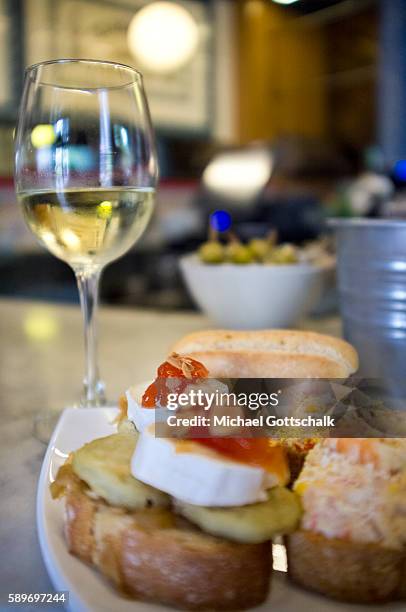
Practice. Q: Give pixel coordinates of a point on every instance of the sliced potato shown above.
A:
(254, 523)
(104, 464)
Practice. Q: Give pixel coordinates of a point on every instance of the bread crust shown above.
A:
(235, 364)
(348, 571)
(149, 556)
(192, 571)
(270, 354)
(79, 519)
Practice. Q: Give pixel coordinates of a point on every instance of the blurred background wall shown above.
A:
(317, 87)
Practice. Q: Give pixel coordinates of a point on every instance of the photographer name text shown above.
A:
(240, 421)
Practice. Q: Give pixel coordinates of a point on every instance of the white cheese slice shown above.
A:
(141, 417)
(144, 417)
(195, 474)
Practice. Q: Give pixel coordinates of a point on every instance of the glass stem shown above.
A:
(88, 284)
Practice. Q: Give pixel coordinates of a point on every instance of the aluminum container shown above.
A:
(371, 270)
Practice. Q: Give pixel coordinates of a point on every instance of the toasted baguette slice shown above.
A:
(348, 571)
(152, 555)
(270, 354)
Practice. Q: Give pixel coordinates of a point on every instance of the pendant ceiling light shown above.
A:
(163, 37)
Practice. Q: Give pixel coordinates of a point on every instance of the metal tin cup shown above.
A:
(371, 258)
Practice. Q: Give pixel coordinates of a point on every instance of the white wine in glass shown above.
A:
(88, 227)
(85, 173)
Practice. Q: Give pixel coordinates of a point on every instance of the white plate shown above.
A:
(89, 592)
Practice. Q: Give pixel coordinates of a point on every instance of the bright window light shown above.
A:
(163, 36)
(285, 1)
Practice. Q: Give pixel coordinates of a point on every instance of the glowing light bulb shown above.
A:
(285, 1)
(238, 175)
(163, 36)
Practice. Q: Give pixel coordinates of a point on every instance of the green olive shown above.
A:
(283, 254)
(211, 252)
(239, 253)
(259, 248)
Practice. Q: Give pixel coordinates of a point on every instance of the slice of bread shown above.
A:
(270, 354)
(153, 555)
(348, 571)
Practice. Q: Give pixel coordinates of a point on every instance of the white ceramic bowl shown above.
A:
(253, 296)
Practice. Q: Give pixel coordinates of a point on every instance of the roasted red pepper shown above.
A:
(176, 366)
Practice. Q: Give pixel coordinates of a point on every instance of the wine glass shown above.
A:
(85, 173)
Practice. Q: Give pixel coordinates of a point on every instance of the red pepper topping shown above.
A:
(252, 451)
(150, 396)
(176, 366)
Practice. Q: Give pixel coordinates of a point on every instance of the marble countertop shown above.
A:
(41, 368)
